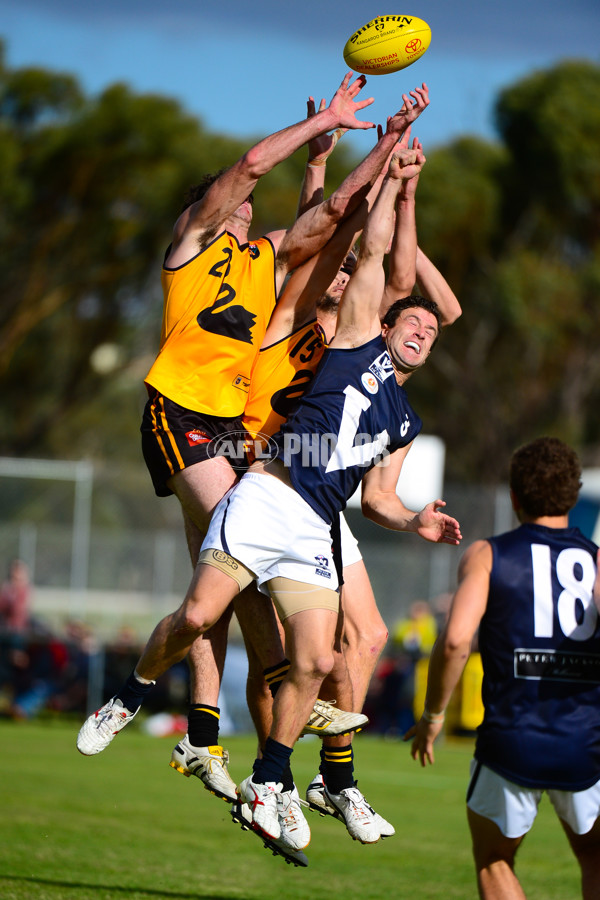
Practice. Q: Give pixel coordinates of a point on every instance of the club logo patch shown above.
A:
(369, 382)
(322, 567)
(382, 367)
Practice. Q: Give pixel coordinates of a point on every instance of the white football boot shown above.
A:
(262, 800)
(326, 720)
(209, 764)
(101, 727)
(351, 808)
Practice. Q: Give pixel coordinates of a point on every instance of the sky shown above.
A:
(246, 68)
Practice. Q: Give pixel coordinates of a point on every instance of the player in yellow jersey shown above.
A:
(294, 344)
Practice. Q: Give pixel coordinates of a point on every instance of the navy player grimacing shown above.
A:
(532, 594)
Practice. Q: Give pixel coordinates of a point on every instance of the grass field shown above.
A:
(124, 826)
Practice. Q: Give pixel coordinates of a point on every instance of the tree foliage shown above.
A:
(514, 227)
(90, 188)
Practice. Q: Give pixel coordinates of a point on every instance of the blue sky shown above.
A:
(247, 68)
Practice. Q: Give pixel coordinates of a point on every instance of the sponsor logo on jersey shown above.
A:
(254, 251)
(556, 665)
(369, 382)
(322, 567)
(382, 367)
(242, 382)
(197, 437)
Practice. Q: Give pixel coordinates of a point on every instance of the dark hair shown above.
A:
(197, 191)
(545, 477)
(415, 300)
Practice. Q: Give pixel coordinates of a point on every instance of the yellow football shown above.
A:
(387, 44)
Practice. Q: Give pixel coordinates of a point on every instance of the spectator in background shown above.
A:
(417, 634)
(15, 599)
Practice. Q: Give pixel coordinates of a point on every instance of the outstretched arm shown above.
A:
(452, 648)
(319, 151)
(313, 229)
(235, 184)
(433, 285)
(409, 264)
(403, 253)
(381, 504)
(358, 319)
(297, 303)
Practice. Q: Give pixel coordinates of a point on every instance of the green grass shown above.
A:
(124, 826)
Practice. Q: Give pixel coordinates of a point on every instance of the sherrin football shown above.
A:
(387, 44)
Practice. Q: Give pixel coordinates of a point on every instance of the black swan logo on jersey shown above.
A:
(382, 367)
(235, 322)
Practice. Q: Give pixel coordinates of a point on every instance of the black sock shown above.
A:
(133, 692)
(274, 675)
(273, 763)
(337, 768)
(203, 725)
(287, 778)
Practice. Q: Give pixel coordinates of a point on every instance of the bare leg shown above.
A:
(263, 637)
(494, 856)
(364, 632)
(199, 488)
(337, 685)
(309, 640)
(258, 697)
(586, 848)
(260, 625)
(209, 595)
(360, 638)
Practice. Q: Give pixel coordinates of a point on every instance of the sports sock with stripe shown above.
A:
(337, 768)
(203, 725)
(274, 675)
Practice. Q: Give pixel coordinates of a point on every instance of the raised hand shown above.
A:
(409, 186)
(407, 162)
(321, 147)
(345, 105)
(411, 109)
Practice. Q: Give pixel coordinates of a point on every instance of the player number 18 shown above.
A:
(576, 573)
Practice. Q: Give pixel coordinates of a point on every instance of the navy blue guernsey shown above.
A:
(540, 646)
(352, 415)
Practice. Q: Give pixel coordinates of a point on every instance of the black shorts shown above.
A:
(174, 438)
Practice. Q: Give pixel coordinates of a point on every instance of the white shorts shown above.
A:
(268, 527)
(350, 552)
(514, 808)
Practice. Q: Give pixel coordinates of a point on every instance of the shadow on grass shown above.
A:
(115, 889)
